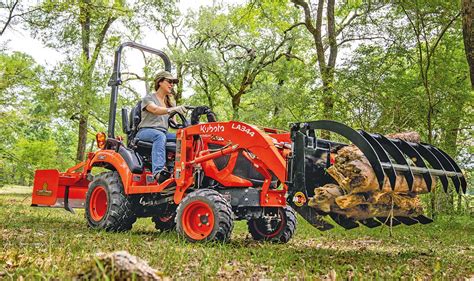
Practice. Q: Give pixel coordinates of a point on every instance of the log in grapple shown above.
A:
(226, 171)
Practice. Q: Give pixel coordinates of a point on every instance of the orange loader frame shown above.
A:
(266, 151)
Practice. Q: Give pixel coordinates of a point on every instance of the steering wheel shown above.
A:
(176, 124)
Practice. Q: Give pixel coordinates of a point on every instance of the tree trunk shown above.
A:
(235, 107)
(81, 143)
(179, 91)
(328, 102)
(91, 148)
(85, 22)
(468, 34)
(450, 137)
(328, 71)
(326, 67)
(210, 100)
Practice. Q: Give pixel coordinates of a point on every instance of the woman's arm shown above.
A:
(157, 110)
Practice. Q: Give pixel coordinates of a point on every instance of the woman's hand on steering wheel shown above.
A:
(179, 111)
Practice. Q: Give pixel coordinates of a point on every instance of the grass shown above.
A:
(45, 243)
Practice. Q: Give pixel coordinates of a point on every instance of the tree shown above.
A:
(81, 27)
(18, 73)
(341, 25)
(468, 34)
(427, 38)
(29, 135)
(236, 48)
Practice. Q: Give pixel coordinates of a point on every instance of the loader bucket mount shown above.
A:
(389, 158)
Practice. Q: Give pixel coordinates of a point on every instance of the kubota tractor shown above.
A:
(226, 171)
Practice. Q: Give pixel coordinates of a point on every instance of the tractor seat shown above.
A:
(144, 147)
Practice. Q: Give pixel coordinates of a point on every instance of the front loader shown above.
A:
(226, 171)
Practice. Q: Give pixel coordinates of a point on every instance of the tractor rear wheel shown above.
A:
(107, 207)
(278, 226)
(165, 223)
(204, 215)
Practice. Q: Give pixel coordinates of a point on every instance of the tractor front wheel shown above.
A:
(204, 215)
(277, 225)
(107, 207)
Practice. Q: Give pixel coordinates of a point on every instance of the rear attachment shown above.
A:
(374, 181)
(60, 190)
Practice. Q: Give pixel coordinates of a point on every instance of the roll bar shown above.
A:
(115, 79)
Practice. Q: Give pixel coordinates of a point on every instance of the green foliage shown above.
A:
(29, 134)
(19, 76)
(254, 62)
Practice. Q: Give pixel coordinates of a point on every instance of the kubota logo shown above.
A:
(44, 191)
(211, 129)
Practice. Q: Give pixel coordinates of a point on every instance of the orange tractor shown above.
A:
(224, 171)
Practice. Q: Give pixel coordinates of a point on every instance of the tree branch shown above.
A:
(100, 40)
(433, 48)
(420, 51)
(359, 39)
(10, 16)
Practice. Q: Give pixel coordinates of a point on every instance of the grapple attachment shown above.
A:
(399, 167)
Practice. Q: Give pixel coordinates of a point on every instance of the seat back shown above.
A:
(134, 120)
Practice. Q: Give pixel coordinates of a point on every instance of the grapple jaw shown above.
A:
(392, 161)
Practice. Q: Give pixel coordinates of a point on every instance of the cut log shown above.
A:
(324, 197)
(354, 174)
(360, 206)
(118, 266)
(406, 136)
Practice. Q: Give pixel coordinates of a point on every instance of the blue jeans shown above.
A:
(158, 150)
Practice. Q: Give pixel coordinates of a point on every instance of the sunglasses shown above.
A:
(171, 81)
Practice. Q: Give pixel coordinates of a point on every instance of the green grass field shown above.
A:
(45, 243)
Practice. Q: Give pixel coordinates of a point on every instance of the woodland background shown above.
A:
(383, 66)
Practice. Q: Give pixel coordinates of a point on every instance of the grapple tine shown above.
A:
(313, 217)
(398, 156)
(416, 158)
(370, 223)
(448, 165)
(343, 221)
(462, 179)
(434, 162)
(357, 139)
(386, 221)
(407, 220)
(383, 156)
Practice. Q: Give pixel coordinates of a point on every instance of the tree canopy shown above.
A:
(382, 66)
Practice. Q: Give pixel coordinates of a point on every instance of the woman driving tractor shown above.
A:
(156, 108)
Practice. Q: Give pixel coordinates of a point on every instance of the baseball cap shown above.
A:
(166, 75)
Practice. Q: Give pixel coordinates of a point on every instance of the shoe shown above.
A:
(162, 175)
